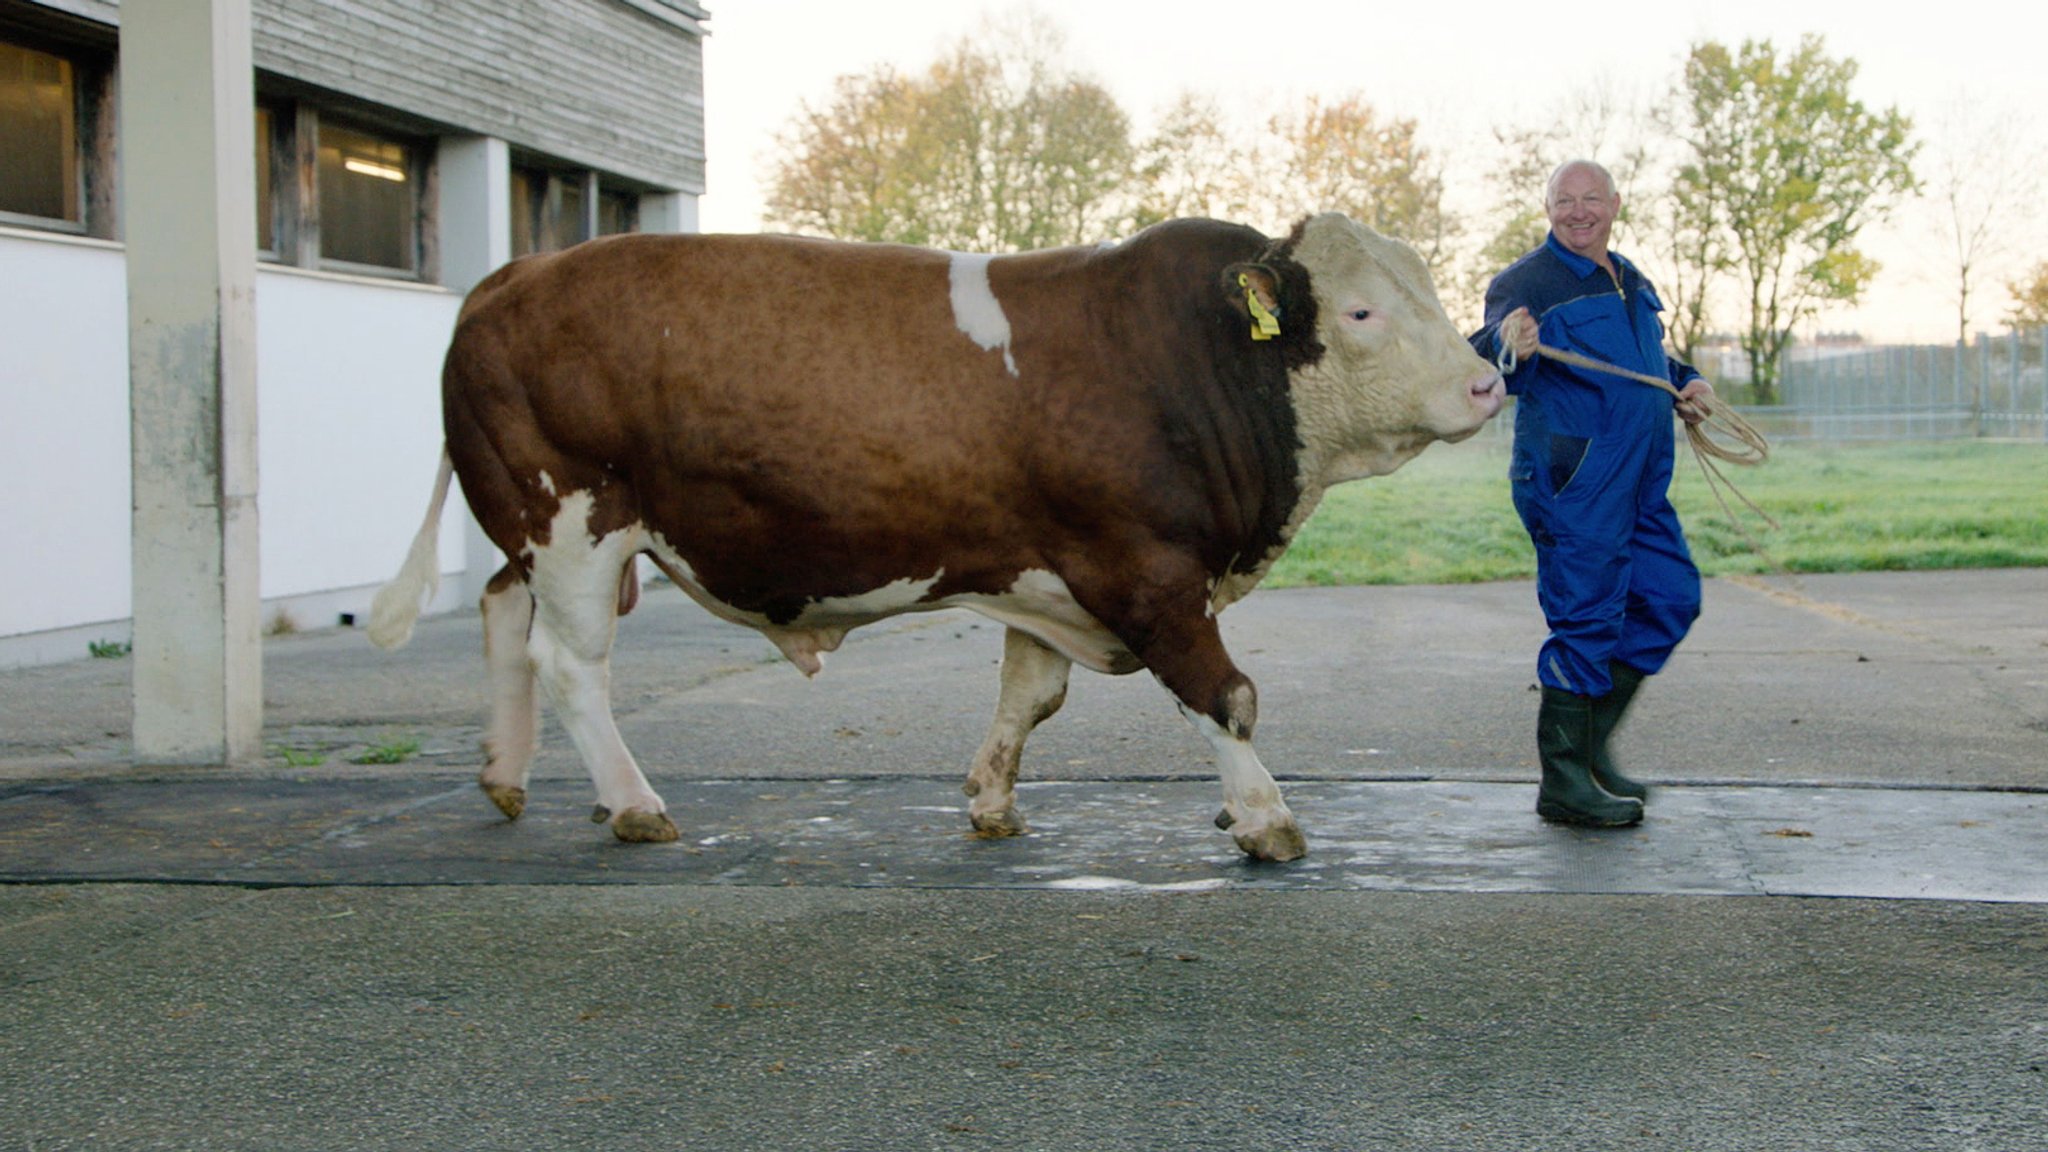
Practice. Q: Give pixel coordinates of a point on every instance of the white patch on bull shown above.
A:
(563, 568)
(976, 310)
(897, 596)
(547, 482)
(575, 583)
(1250, 797)
(1039, 602)
(820, 627)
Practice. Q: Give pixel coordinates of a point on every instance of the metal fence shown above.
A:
(1995, 388)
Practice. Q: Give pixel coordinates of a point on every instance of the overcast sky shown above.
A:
(1458, 69)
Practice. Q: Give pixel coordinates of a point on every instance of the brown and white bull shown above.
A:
(1101, 448)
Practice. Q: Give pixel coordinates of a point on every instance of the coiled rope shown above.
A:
(1750, 449)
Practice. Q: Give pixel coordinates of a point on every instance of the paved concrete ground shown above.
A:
(1832, 932)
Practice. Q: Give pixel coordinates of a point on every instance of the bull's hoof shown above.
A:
(997, 825)
(1277, 843)
(510, 798)
(638, 826)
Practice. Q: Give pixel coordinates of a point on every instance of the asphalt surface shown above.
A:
(1831, 932)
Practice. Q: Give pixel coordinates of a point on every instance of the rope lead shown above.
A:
(1751, 447)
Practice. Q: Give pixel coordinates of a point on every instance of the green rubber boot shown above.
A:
(1607, 712)
(1564, 743)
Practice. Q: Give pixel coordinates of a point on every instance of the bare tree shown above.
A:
(1983, 183)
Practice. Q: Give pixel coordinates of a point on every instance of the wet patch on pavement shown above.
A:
(1414, 836)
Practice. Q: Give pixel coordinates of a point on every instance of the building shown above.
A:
(404, 149)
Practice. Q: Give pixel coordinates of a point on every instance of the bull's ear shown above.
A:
(1253, 290)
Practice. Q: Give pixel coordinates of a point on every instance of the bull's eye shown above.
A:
(1361, 313)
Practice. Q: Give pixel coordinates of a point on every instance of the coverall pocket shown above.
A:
(1566, 454)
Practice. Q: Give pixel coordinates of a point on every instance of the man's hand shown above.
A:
(1518, 333)
(1695, 400)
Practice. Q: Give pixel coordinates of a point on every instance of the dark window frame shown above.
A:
(95, 94)
(541, 222)
(293, 234)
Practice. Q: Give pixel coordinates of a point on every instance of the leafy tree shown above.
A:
(2029, 298)
(1190, 166)
(846, 169)
(1007, 150)
(1792, 168)
(1343, 157)
(1317, 156)
(985, 152)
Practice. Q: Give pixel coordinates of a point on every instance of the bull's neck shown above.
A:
(1329, 460)
(1233, 586)
(1359, 461)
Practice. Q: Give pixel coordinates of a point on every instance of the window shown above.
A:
(43, 178)
(266, 196)
(367, 199)
(617, 212)
(333, 193)
(555, 208)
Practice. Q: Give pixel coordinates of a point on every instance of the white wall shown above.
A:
(63, 433)
(348, 373)
(348, 376)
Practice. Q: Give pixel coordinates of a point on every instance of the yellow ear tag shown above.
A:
(1268, 325)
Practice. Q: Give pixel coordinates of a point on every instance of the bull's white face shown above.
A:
(1396, 374)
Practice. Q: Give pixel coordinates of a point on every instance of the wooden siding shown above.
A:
(598, 82)
(615, 85)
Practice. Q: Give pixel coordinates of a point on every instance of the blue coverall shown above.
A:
(1591, 468)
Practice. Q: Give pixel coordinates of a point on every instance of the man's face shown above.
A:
(1582, 210)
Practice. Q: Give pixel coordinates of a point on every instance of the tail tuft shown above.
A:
(397, 605)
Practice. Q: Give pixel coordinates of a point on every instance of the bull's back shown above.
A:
(737, 393)
(642, 324)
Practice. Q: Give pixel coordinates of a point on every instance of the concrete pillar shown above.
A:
(476, 238)
(189, 209)
(668, 212)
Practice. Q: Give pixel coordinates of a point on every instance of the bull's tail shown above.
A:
(398, 604)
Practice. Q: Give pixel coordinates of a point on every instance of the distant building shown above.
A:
(404, 148)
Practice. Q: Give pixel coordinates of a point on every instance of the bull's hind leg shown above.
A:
(576, 605)
(515, 723)
(1034, 686)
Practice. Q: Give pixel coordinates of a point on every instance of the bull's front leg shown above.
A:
(1253, 813)
(1187, 655)
(1034, 685)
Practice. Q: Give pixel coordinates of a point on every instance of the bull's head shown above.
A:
(1385, 373)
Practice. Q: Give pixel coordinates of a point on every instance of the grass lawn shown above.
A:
(1445, 518)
